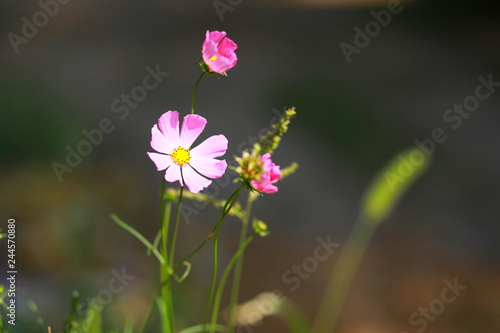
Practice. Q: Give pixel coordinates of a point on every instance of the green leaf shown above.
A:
(129, 326)
(140, 237)
(392, 182)
(379, 200)
(34, 309)
(72, 322)
(186, 272)
(93, 319)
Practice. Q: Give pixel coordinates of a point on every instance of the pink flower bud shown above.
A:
(218, 52)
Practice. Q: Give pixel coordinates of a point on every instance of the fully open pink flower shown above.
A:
(218, 52)
(271, 174)
(180, 162)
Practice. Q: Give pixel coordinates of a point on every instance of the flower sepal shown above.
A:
(206, 69)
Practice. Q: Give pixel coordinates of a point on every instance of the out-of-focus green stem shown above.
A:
(235, 288)
(222, 283)
(225, 210)
(342, 276)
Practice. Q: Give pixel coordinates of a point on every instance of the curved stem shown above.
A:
(222, 283)
(235, 289)
(195, 91)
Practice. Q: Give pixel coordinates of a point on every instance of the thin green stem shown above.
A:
(238, 269)
(342, 276)
(167, 296)
(195, 91)
(222, 283)
(148, 317)
(225, 210)
(140, 237)
(176, 227)
(165, 212)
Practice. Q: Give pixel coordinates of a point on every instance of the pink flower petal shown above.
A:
(192, 126)
(161, 161)
(173, 174)
(168, 124)
(208, 51)
(159, 142)
(209, 167)
(194, 181)
(271, 174)
(220, 65)
(214, 146)
(216, 36)
(264, 188)
(227, 45)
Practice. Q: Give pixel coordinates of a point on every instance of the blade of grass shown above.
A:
(378, 202)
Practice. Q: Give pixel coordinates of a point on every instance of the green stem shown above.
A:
(148, 317)
(235, 289)
(195, 91)
(169, 303)
(176, 227)
(225, 209)
(215, 232)
(165, 212)
(342, 276)
(140, 237)
(222, 283)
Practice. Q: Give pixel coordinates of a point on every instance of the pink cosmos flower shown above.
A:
(218, 52)
(271, 174)
(180, 162)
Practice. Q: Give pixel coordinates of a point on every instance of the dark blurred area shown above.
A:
(352, 118)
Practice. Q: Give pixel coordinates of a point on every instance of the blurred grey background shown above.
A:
(352, 118)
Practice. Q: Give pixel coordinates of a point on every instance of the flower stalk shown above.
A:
(238, 269)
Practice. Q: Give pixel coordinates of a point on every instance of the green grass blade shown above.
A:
(38, 318)
(392, 182)
(378, 202)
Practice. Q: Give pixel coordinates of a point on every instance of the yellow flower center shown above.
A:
(181, 156)
(213, 58)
